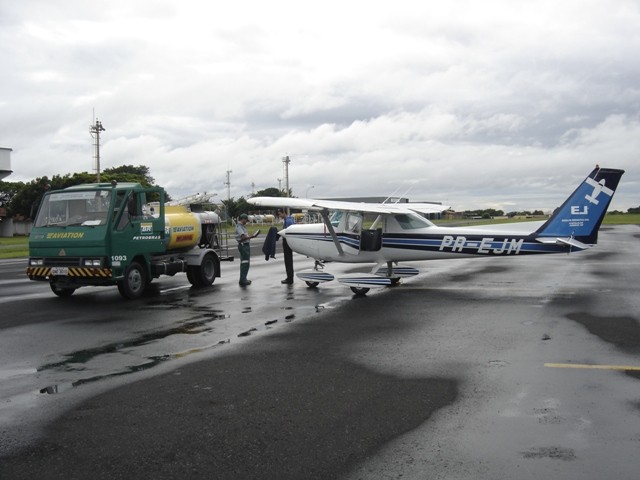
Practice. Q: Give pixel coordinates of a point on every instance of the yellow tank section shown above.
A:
(182, 227)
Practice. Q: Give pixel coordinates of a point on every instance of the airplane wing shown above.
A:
(318, 205)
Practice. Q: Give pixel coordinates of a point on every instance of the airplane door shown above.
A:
(352, 233)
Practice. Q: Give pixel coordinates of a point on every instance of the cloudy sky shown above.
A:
(504, 104)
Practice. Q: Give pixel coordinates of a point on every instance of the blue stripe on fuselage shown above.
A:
(469, 244)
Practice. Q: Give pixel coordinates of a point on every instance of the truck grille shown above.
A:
(63, 262)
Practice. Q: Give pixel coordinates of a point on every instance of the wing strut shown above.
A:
(325, 216)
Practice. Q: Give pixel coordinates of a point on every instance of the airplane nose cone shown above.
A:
(283, 232)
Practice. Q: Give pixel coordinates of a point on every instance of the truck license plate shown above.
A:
(59, 271)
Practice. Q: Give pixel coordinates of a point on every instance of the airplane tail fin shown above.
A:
(579, 218)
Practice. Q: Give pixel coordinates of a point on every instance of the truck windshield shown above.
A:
(75, 208)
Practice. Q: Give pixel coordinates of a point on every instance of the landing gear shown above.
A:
(360, 291)
(315, 276)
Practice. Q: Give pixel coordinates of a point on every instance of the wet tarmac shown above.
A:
(513, 368)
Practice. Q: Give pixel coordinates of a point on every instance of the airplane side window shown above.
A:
(410, 222)
(354, 223)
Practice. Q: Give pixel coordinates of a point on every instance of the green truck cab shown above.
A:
(121, 234)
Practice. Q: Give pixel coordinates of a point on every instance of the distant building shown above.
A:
(5, 162)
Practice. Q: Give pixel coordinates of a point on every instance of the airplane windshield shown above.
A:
(336, 217)
(411, 222)
(76, 208)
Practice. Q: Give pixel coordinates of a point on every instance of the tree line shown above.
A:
(21, 199)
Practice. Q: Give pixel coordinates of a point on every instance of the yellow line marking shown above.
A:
(592, 367)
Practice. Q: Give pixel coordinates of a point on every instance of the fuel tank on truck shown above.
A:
(182, 228)
(206, 217)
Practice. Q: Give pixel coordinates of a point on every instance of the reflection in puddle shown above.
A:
(84, 356)
(77, 361)
(153, 361)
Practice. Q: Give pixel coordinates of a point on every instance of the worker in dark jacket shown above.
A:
(269, 245)
(288, 253)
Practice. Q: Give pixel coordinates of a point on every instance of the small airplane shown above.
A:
(385, 234)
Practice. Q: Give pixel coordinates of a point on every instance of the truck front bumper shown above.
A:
(75, 275)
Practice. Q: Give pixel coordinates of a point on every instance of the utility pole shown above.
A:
(95, 130)
(228, 184)
(286, 161)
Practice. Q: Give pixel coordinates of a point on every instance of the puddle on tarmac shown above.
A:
(76, 361)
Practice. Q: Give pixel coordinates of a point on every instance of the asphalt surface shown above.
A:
(467, 371)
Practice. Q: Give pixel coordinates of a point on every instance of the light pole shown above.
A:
(228, 185)
(307, 192)
(286, 161)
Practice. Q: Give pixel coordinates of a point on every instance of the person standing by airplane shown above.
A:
(288, 253)
(243, 238)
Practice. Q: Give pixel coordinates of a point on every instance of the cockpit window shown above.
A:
(411, 222)
(336, 217)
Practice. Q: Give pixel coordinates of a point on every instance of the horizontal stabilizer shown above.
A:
(564, 241)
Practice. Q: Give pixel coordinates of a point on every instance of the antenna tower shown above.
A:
(94, 131)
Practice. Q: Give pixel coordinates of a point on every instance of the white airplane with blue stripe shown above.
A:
(385, 234)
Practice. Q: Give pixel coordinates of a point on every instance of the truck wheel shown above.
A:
(133, 284)
(191, 276)
(205, 274)
(61, 291)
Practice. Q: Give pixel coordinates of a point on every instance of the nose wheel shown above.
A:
(360, 291)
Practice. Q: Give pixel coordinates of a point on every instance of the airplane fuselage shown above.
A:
(428, 243)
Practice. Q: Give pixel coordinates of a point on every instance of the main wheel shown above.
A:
(133, 284)
(360, 290)
(312, 284)
(61, 291)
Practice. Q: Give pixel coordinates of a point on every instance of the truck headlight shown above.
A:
(36, 262)
(92, 262)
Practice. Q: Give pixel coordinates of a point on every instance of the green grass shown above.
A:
(622, 219)
(14, 247)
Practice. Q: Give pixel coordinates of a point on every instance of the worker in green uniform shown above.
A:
(243, 238)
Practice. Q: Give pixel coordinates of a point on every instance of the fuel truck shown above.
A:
(103, 234)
